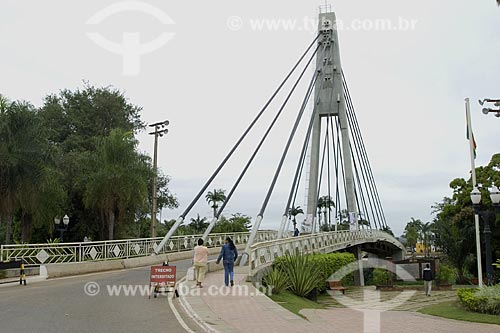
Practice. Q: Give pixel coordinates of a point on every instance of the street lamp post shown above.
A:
(160, 129)
(488, 216)
(495, 102)
(61, 227)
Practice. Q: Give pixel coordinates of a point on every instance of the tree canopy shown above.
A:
(454, 220)
(76, 155)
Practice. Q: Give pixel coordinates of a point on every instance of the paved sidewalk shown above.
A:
(242, 309)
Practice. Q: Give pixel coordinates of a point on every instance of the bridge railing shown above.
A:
(263, 254)
(50, 253)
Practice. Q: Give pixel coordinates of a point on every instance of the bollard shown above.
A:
(22, 274)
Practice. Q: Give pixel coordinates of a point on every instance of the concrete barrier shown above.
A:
(14, 272)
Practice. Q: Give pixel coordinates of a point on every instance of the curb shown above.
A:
(193, 315)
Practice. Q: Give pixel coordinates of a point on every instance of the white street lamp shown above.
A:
(61, 227)
(475, 196)
(487, 216)
(495, 195)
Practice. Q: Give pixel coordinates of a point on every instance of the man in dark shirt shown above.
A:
(427, 275)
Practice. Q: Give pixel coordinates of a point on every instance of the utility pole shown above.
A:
(160, 129)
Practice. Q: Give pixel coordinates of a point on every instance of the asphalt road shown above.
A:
(61, 305)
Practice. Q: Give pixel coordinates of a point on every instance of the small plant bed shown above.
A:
(485, 300)
(453, 310)
(294, 303)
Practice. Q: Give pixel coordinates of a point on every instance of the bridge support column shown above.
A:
(209, 228)
(359, 278)
(251, 239)
(283, 226)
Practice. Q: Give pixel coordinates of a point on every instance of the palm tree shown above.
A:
(294, 211)
(22, 156)
(198, 224)
(427, 237)
(213, 198)
(413, 233)
(325, 203)
(320, 206)
(119, 181)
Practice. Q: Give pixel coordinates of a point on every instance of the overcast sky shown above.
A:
(219, 65)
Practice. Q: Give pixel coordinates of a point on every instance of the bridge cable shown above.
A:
(298, 171)
(240, 177)
(361, 200)
(228, 156)
(325, 144)
(336, 157)
(285, 152)
(366, 163)
(364, 154)
(181, 218)
(341, 159)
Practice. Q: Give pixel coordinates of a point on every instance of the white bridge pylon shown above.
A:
(327, 90)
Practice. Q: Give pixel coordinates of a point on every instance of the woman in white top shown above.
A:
(200, 262)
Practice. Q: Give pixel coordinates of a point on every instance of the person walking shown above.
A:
(296, 232)
(200, 262)
(228, 254)
(428, 277)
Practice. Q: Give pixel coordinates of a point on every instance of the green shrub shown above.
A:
(277, 280)
(446, 274)
(485, 300)
(380, 277)
(303, 274)
(328, 263)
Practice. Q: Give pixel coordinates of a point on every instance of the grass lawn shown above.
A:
(453, 310)
(294, 303)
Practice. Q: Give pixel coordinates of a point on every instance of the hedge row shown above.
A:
(485, 300)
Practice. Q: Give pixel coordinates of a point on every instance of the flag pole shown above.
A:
(474, 184)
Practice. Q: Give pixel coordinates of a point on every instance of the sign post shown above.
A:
(162, 277)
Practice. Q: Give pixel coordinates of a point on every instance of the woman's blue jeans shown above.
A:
(228, 272)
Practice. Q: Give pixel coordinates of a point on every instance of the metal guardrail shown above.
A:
(35, 254)
(263, 254)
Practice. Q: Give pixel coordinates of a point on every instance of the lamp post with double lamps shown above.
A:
(61, 227)
(495, 102)
(488, 216)
(160, 129)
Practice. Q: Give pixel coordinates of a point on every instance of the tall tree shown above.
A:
(214, 198)
(119, 181)
(294, 211)
(412, 233)
(325, 204)
(427, 237)
(198, 224)
(453, 222)
(25, 169)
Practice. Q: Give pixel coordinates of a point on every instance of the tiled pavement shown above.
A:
(417, 301)
(241, 310)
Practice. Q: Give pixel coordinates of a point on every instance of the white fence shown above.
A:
(34, 254)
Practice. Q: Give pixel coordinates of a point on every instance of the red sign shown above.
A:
(162, 276)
